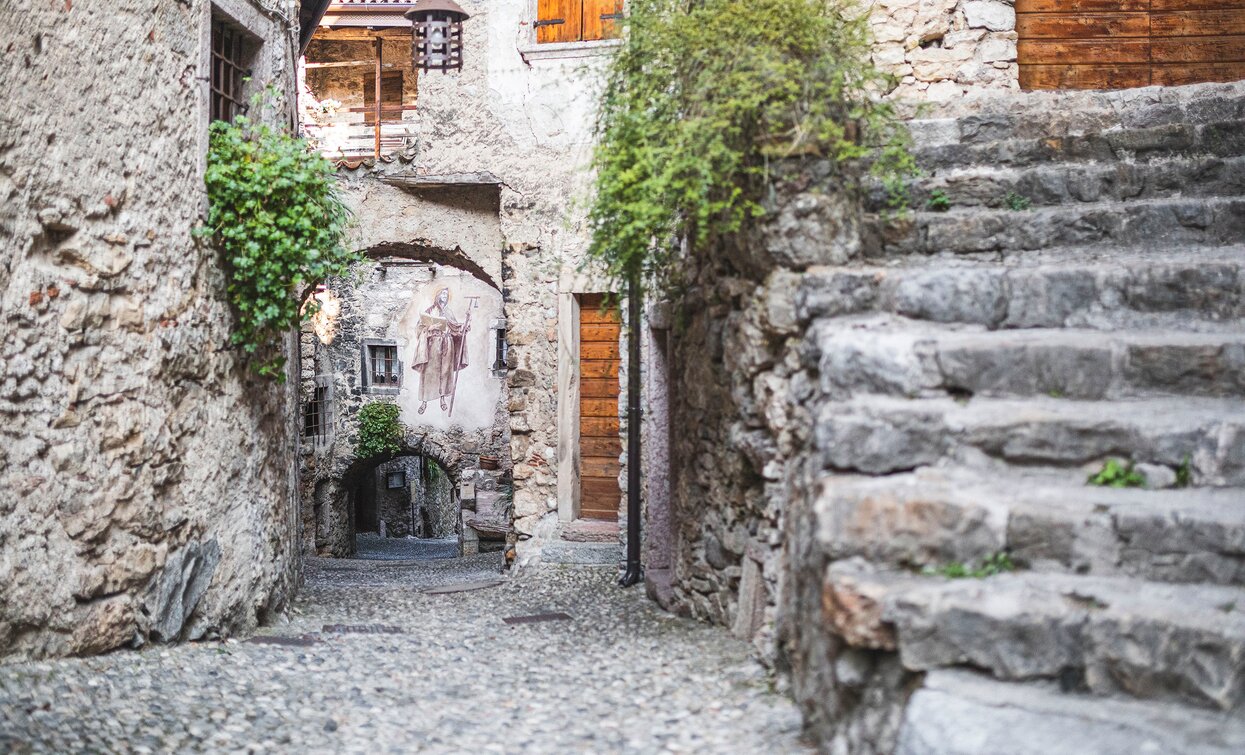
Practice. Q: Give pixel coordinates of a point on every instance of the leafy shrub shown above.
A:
(702, 96)
(277, 219)
(1115, 475)
(380, 431)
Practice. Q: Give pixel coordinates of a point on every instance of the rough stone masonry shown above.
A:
(147, 479)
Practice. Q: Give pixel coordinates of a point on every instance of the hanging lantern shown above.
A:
(438, 34)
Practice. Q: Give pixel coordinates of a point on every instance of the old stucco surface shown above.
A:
(147, 481)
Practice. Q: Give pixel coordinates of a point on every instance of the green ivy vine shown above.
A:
(280, 225)
(380, 430)
(703, 95)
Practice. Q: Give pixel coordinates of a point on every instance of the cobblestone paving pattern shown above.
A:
(371, 663)
(377, 548)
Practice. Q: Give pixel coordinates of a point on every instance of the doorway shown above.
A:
(600, 446)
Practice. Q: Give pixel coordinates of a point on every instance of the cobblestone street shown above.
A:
(373, 662)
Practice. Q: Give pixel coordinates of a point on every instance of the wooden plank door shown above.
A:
(1116, 44)
(1196, 40)
(599, 443)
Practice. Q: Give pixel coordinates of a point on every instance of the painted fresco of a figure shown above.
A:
(440, 352)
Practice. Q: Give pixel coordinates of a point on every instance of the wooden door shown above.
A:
(1115, 44)
(599, 441)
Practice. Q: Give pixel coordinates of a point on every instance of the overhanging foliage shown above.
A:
(703, 94)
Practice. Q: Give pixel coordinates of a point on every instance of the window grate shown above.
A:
(315, 418)
(384, 365)
(229, 72)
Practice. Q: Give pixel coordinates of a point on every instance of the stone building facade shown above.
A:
(481, 171)
(148, 479)
(373, 329)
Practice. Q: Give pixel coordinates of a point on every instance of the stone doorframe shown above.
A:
(570, 288)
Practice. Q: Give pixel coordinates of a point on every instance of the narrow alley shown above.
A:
(375, 660)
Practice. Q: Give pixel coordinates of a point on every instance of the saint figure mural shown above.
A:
(440, 352)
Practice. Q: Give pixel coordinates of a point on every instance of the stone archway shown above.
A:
(340, 521)
(381, 310)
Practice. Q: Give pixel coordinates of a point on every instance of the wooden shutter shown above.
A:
(390, 97)
(599, 443)
(601, 18)
(559, 20)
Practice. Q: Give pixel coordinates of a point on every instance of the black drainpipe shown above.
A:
(634, 573)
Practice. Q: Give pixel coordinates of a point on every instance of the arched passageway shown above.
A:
(422, 331)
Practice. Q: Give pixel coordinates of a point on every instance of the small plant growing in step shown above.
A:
(1017, 202)
(938, 201)
(997, 563)
(1116, 475)
(1184, 473)
(380, 431)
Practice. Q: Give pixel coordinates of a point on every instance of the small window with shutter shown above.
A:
(577, 20)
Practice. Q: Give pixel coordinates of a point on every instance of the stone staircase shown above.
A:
(1079, 298)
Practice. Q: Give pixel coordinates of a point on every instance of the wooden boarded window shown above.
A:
(1115, 44)
(577, 20)
(599, 441)
(390, 97)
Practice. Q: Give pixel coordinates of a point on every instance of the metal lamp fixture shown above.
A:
(438, 34)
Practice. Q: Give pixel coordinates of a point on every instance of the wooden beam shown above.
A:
(349, 64)
(362, 35)
(380, 45)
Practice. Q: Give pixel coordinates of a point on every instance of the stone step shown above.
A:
(1144, 223)
(936, 517)
(883, 434)
(1096, 287)
(1037, 115)
(1009, 149)
(1049, 185)
(1103, 635)
(895, 356)
(957, 712)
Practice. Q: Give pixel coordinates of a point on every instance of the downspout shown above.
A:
(635, 572)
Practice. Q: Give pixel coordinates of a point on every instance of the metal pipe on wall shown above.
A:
(635, 571)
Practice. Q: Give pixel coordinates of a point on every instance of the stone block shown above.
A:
(990, 14)
(961, 713)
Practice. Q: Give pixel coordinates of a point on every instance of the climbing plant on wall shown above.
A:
(704, 94)
(280, 225)
(380, 430)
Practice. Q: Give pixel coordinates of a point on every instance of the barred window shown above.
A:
(315, 416)
(383, 369)
(230, 69)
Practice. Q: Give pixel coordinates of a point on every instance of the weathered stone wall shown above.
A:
(944, 49)
(147, 482)
(398, 507)
(737, 376)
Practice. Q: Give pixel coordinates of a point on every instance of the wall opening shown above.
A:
(403, 508)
